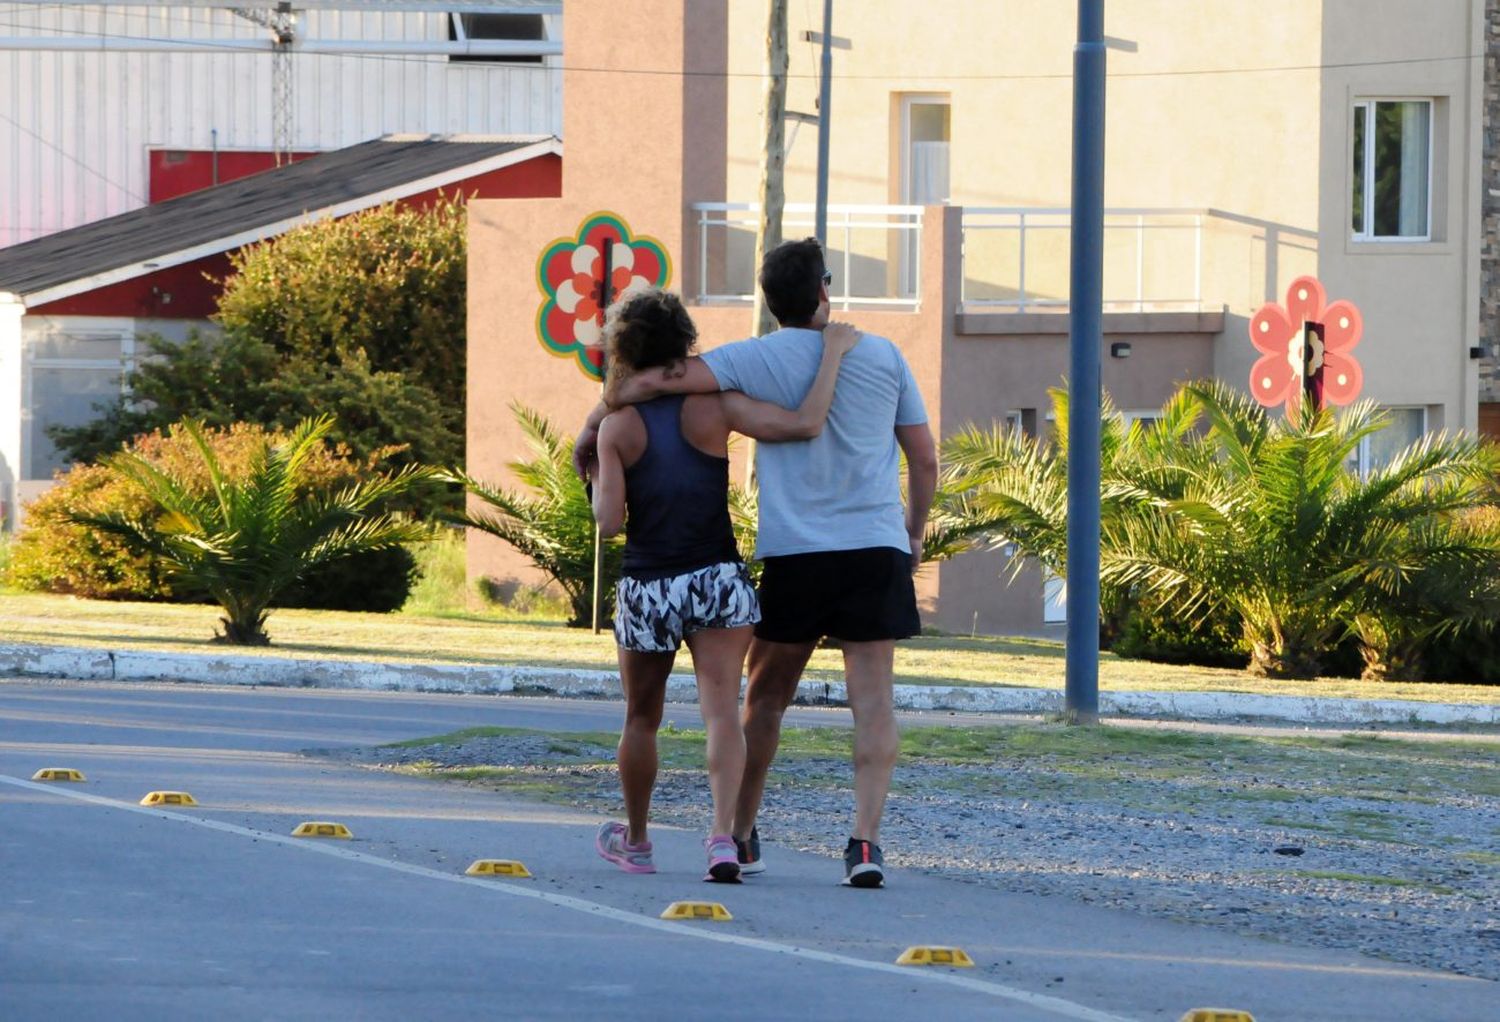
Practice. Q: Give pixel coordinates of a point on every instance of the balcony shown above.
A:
(995, 261)
(873, 252)
(1016, 259)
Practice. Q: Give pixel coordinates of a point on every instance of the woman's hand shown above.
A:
(840, 338)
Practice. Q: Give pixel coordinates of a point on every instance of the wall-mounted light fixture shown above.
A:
(1119, 349)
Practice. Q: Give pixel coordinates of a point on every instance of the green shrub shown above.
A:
(1160, 632)
(55, 554)
(375, 582)
(1470, 655)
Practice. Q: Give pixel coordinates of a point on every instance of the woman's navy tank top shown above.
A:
(676, 500)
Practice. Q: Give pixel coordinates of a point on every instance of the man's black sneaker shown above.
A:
(749, 854)
(863, 865)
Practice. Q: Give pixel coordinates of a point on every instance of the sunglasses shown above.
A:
(827, 277)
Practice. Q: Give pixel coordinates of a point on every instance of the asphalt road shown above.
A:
(112, 910)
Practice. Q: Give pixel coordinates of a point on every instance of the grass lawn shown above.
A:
(510, 639)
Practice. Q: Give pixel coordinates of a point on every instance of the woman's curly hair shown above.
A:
(645, 329)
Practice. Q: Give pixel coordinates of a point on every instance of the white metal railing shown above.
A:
(872, 250)
(1153, 258)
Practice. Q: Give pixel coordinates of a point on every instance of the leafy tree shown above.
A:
(362, 317)
(387, 284)
(254, 533)
(554, 528)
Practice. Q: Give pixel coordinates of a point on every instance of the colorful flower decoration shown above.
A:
(1278, 333)
(571, 274)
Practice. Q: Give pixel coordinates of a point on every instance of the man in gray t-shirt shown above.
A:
(839, 549)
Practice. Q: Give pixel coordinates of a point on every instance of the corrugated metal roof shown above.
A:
(232, 209)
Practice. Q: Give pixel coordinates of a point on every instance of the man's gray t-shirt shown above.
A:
(842, 489)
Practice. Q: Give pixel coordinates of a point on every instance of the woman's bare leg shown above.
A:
(644, 678)
(719, 661)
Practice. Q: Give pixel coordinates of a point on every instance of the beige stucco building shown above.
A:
(1248, 142)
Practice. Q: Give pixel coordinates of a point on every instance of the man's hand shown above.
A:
(916, 552)
(584, 450)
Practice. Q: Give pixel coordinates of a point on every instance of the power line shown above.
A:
(71, 158)
(884, 76)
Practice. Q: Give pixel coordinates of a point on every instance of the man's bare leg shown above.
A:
(774, 670)
(869, 668)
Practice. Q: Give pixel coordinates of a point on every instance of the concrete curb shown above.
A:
(296, 672)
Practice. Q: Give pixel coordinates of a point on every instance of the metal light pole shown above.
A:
(825, 90)
(1086, 308)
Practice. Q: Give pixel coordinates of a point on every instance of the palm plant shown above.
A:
(555, 527)
(1003, 488)
(245, 540)
(1442, 579)
(1274, 526)
(1218, 509)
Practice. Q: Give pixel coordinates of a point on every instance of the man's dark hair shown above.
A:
(790, 276)
(646, 329)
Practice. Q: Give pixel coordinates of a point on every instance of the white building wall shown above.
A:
(75, 127)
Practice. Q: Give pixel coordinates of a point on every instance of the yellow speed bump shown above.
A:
(323, 828)
(955, 957)
(497, 868)
(697, 910)
(169, 798)
(1217, 1015)
(57, 774)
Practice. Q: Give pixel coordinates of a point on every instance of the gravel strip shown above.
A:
(1354, 863)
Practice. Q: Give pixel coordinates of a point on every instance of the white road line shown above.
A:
(1055, 1005)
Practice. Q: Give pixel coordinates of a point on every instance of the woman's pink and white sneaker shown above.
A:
(612, 843)
(723, 859)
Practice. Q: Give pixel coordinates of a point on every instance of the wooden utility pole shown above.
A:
(773, 166)
(772, 178)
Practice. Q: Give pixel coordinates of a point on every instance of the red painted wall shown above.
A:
(179, 292)
(194, 296)
(177, 172)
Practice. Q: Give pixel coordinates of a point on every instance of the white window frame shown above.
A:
(549, 32)
(1366, 106)
(1146, 416)
(1362, 466)
(97, 327)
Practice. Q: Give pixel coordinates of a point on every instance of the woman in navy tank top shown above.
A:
(662, 474)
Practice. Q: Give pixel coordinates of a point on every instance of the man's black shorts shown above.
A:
(854, 595)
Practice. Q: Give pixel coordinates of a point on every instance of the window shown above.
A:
(926, 134)
(1054, 599)
(520, 27)
(1392, 195)
(1375, 452)
(69, 374)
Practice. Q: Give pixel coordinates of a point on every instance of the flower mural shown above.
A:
(581, 275)
(1307, 339)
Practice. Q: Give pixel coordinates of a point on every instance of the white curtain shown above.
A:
(1415, 132)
